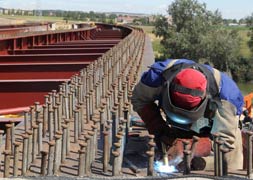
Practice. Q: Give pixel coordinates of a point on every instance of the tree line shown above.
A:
(199, 34)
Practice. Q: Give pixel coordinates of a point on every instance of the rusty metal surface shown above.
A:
(76, 46)
(50, 58)
(42, 68)
(15, 94)
(94, 41)
(59, 51)
(40, 71)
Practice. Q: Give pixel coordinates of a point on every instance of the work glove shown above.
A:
(161, 139)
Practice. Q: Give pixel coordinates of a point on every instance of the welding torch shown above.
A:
(165, 154)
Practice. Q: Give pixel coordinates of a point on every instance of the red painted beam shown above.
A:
(24, 93)
(91, 42)
(12, 111)
(105, 38)
(76, 46)
(49, 58)
(59, 51)
(40, 71)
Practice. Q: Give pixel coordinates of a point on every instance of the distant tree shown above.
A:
(110, 21)
(161, 27)
(26, 13)
(221, 47)
(195, 34)
(92, 16)
(102, 17)
(112, 16)
(249, 20)
(242, 70)
(242, 21)
(250, 42)
(141, 21)
(59, 13)
(234, 21)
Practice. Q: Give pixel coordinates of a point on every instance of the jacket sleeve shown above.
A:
(230, 92)
(148, 89)
(145, 93)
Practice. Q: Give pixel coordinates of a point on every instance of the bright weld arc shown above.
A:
(159, 167)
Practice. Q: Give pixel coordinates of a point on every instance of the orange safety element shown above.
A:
(248, 102)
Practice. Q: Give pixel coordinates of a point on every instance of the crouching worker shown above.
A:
(196, 99)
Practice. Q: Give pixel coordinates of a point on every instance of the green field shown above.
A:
(244, 50)
(155, 40)
(246, 88)
(32, 18)
(26, 19)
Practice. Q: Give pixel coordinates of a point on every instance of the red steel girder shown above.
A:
(59, 51)
(49, 58)
(25, 93)
(75, 46)
(105, 38)
(40, 71)
(91, 42)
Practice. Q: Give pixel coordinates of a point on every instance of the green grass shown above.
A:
(147, 29)
(239, 28)
(246, 88)
(244, 48)
(33, 18)
(156, 47)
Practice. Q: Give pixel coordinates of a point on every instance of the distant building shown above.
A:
(30, 13)
(51, 13)
(233, 24)
(126, 19)
(153, 19)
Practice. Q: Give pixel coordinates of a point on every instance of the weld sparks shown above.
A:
(161, 168)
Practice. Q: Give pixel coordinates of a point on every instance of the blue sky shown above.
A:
(230, 8)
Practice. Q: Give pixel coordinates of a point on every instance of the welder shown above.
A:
(179, 98)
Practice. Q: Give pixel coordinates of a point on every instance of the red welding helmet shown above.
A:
(188, 89)
(185, 98)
